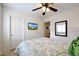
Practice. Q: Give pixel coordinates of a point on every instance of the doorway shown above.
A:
(47, 29)
(16, 31)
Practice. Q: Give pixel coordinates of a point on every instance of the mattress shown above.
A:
(42, 47)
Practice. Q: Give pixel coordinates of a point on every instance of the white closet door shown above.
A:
(16, 31)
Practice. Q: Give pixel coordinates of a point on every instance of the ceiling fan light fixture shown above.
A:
(44, 8)
(47, 9)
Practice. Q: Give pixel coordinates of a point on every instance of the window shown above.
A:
(61, 28)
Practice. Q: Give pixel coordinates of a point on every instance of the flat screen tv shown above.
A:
(32, 26)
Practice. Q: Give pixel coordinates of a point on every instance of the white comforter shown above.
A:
(42, 47)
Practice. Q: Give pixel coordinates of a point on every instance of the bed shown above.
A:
(42, 47)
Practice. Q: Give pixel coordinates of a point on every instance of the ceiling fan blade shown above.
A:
(36, 8)
(53, 9)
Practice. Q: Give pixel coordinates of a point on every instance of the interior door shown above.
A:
(16, 31)
(47, 29)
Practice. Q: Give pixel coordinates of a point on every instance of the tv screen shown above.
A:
(32, 26)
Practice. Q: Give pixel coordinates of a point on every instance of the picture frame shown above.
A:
(32, 26)
(61, 28)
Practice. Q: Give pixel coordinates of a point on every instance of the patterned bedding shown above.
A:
(42, 47)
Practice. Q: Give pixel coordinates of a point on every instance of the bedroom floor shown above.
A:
(11, 53)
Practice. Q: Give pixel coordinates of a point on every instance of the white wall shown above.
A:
(72, 16)
(0, 29)
(28, 34)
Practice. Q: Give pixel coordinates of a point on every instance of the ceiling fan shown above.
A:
(46, 6)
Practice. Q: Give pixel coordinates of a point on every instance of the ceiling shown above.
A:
(27, 8)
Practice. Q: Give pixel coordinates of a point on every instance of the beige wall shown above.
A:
(28, 34)
(0, 29)
(31, 34)
(72, 16)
